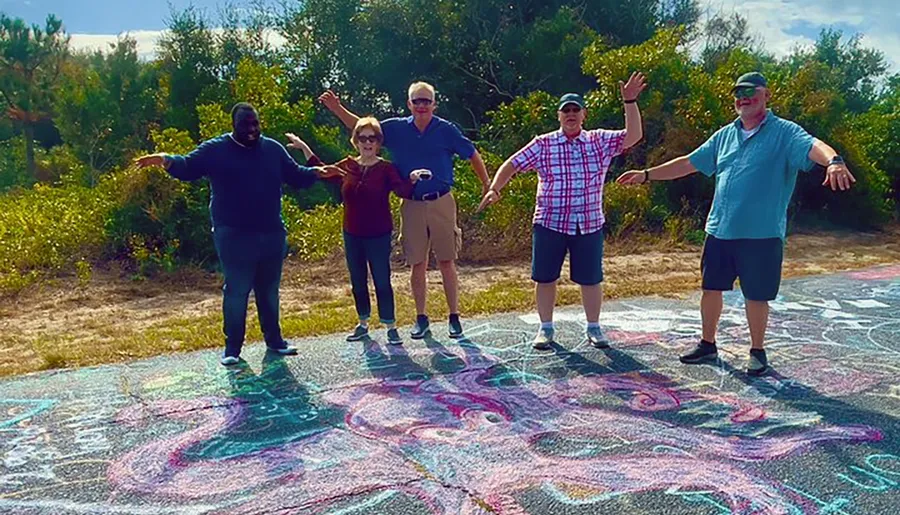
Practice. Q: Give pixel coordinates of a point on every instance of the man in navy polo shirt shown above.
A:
(755, 161)
(246, 171)
(428, 219)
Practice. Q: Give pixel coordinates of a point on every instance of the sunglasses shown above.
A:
(422, 101)
(745, 92)
(573, 109)
(367, 139)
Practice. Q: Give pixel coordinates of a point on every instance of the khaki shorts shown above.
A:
(430, 225)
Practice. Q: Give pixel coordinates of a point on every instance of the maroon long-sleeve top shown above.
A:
(365, 191)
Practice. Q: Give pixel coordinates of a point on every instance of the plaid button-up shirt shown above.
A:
(570, 177)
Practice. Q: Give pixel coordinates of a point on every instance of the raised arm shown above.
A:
(634, 127)
(333, 104)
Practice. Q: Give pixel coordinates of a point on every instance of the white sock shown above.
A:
(593, 325)
(547, 325)
(364, 324)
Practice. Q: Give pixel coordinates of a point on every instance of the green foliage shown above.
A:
(47, 229)
(499, 68)
(30, 58)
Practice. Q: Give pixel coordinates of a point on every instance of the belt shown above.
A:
(431, 195)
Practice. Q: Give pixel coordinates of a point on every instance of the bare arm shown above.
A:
(333, 104)
(295, 142)
(837, 175)
(674, 169)
(501, 178)
(481, 171)
(634, 127)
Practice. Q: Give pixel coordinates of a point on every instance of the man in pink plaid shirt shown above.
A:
(568, 217)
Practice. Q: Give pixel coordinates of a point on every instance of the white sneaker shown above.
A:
(597, 337)
(543, 339)
(229, 360)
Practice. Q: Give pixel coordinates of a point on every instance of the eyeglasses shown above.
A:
(422, 101)
(572, 109)
(745, 92)
(367, 139)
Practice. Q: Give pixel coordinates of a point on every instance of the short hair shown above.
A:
(241, 106)
(416, 86)
(366, 122)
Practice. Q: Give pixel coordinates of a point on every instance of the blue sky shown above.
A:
(782, 24)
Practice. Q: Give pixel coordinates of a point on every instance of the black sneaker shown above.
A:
(420, 330)
(455, 330)
(393, 337)
(758, 364)
(358, 333)
(703, 353)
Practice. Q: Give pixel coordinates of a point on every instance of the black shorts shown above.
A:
(548, 251)
(757, 263)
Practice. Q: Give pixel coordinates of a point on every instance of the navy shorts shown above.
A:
(548, 251)
(756, 262)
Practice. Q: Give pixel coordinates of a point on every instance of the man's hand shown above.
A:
(330, 100)
(631, 177)
(151, 160)
(633, 88)
(330, 171)
(838, 176)
(490, 197)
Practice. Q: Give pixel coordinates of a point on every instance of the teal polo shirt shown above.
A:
(755, 177)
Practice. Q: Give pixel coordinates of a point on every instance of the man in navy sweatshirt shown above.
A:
(246, 171)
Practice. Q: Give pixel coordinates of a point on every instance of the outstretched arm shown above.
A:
(189, 167)
(674, 169)
(333, 104)
(837, 175)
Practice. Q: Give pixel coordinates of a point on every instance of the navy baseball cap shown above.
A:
(570, 98)
(751, 80)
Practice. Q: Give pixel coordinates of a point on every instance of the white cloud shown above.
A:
(778, 21)
(147, 41)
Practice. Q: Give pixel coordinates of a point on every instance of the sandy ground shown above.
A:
(112, 302)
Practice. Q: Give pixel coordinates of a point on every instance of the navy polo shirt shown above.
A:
(432, 149)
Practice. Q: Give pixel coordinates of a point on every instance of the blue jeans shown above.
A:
(364, 254)
(254, 261)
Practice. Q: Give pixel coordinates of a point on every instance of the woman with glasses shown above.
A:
(366, 185)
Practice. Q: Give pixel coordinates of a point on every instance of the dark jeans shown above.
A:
(250, 261)
(364, 254)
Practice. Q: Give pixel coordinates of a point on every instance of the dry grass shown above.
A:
(66, 323)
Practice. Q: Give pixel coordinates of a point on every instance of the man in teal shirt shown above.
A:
(755, 161)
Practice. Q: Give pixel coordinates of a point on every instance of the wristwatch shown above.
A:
(647, 175)
(836, 160)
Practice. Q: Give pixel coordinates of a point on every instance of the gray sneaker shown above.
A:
(543, 340)
(597, 338)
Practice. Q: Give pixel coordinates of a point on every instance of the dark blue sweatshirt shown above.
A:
(245, 181)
